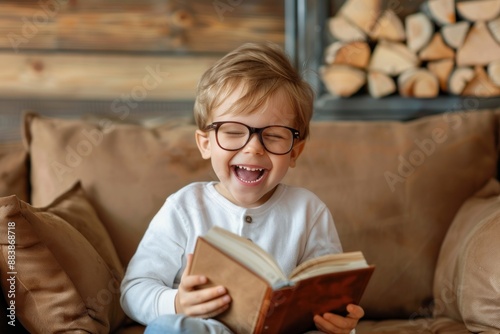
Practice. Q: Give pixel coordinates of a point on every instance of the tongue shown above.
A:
(247, 175)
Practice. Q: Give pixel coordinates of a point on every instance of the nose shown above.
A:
(254, 145)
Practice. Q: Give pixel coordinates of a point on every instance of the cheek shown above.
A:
(281, 165)
(221, 159)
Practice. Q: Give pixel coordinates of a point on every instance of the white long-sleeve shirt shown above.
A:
(294, 225)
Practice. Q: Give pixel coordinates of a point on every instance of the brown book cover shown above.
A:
(257, 308)
(294, 308)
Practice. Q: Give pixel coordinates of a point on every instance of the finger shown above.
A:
(341, 322)
(337, 324)
(326, 326)
(210, 308)
(187, 270)
(355, 311)
(212, 314)
(218, 311)
(204, 295)
(189, 282)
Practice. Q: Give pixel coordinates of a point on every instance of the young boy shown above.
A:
(253, 112)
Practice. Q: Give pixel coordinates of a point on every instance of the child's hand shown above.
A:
(333, 323)
(203, 303)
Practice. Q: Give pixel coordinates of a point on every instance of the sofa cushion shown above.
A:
(14, 176)
(393, 189)
(127, 170)
(13, 181)
(60, 264)
(412, 326)
(467, 280)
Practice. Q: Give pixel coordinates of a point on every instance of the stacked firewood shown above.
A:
(449, 47)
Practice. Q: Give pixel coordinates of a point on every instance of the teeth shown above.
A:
(260, 170)
(251, 169)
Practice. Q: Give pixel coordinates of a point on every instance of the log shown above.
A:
(392, 58)
(494, 26)
(355, 54)
(436, 49)
(419, 31)
(441, 11)
(418, 82)
(494, 72)
(442, 70)
(454, 34)
(459, 78)
(342, 80)
(479, 10)
(479, 47)
(380, 84)
(426, 86)
(362, 13)
(343, 30)
(481, 85)
(389, 26)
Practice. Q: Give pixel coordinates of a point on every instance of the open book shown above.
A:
(264, 300)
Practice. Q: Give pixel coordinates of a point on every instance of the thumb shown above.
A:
(355, 311)
(187, 271)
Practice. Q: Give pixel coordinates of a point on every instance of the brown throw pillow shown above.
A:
(127, 170)
(393, 189)
(14, 177)
(467, 281)
(60, 264)
(14, 180)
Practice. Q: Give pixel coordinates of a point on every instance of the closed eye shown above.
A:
(271, 136)
(233, 133)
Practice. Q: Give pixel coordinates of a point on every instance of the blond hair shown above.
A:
(263, 69)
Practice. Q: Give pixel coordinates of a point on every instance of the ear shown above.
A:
(203, 142)
(296, 151)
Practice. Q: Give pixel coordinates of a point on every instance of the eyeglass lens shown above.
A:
(234, 136)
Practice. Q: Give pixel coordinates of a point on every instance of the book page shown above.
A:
(248, 253)
(328, 264)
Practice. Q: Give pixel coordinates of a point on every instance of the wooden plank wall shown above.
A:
(153, 51)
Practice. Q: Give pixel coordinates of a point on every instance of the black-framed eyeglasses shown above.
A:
(233, 136)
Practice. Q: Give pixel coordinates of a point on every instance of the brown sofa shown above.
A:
(419, 198)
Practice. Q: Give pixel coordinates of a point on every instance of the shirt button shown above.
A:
(248, 219)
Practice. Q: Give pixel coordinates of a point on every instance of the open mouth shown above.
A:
(249, 174)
